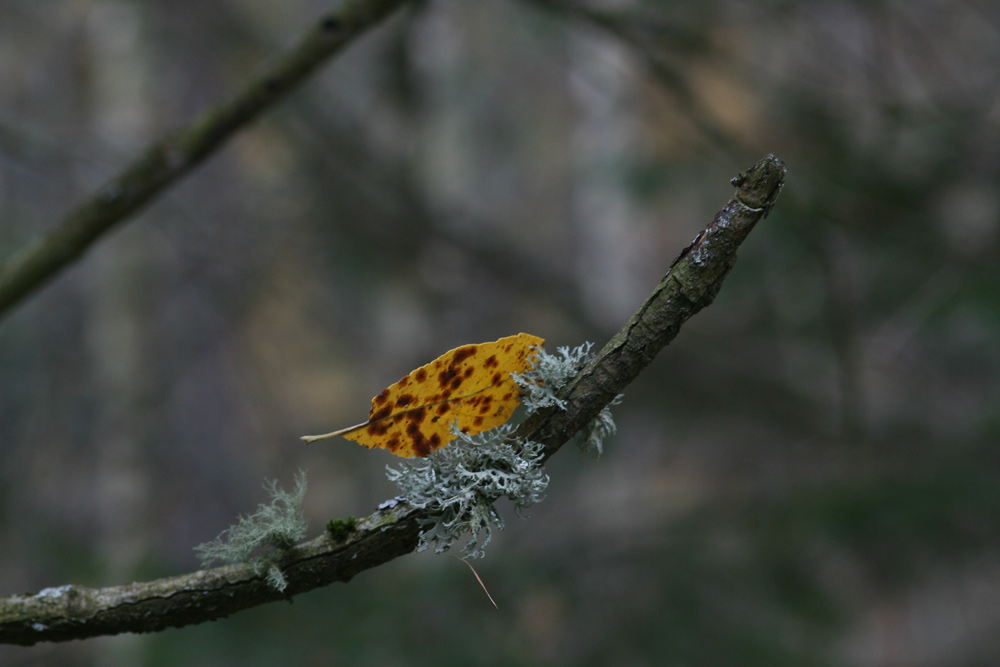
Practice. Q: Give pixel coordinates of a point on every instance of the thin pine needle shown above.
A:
(476, 574)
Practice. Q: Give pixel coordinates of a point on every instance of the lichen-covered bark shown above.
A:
(691, 283)
(41, 258)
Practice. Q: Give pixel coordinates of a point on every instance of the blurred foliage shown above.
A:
(808, 475)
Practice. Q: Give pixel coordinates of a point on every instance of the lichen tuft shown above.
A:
(263, 538)
(457, 485)
(549, 373)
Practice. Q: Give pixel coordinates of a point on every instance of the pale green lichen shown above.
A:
(550, 373)
(458, 484)
(591, 438)
(263, 538)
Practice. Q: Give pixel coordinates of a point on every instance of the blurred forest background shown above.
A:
(808, 475)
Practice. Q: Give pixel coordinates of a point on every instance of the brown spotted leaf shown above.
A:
(470, 386)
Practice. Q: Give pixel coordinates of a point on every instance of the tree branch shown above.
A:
(41, 258)
(691, 283)
(77, 612)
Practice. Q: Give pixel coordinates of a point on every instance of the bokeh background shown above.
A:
(808, 475)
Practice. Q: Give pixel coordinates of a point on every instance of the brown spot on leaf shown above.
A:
(463, 353)
(380, 427)
(446, 376)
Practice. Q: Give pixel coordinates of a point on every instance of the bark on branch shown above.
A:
(691, 283)
(41, 258)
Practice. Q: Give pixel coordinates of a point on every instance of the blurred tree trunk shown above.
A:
(118, 322)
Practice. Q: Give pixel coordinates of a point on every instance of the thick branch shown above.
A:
(41, 258)
(691, 283)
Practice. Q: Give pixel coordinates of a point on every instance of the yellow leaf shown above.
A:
(470, 385)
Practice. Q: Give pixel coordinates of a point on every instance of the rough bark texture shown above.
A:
(41, 258)
(691, 283)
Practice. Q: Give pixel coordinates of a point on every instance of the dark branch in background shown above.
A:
(41, 258)
(691, 283)
(649, 36)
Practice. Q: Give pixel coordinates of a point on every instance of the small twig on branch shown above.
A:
(691, 283)
(41, 258)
